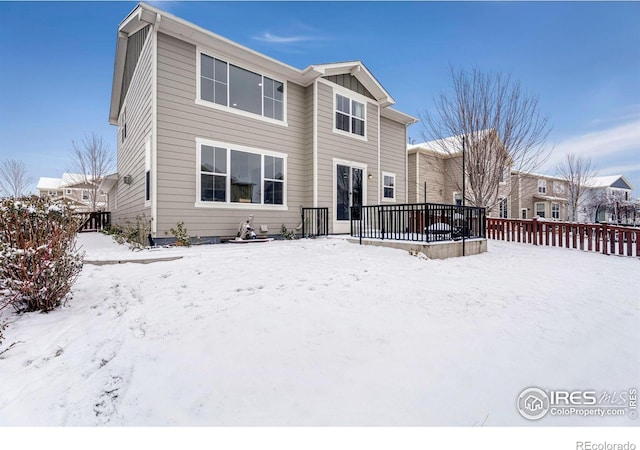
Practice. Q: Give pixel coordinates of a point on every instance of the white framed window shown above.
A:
(555, 210)
(85, 195)
(558, 187)
(225, 85)
(389, 186)
(542, 186)
(147, 172)
(457, 198)
(504, 175)
(237, 176)
(540, 210)
(504, 212)
(523, 213)
(123, 124)
(350, 115)
(68, 191)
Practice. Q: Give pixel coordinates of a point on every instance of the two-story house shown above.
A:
(210, 131)
(607, 199)
(434, 172)
(76, 189)
(536, 195)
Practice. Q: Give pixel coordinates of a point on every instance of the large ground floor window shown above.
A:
(237, 174)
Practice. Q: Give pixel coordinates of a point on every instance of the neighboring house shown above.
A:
(434, 173)
(542, 196)
(74, 189)
(210, 132)
(608, 199)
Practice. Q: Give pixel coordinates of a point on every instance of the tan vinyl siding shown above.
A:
(393, 156)
(431, 170)
(411, 178)
(524, 195)
(308, 147)
(131, 152)
(337, 145)
(181, 121)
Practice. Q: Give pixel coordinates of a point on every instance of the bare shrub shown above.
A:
(39, 261)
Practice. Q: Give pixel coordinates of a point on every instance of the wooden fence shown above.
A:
(592, 237)
(93, 221)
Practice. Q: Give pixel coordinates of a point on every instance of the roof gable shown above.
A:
(615, 181)
(620, 183)
(358, 71)
(350, 82)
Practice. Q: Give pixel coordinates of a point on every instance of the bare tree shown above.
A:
(577, 171)
(92, 160)
(14, 180)
(502, 128)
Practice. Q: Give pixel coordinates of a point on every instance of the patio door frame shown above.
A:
(344, 226)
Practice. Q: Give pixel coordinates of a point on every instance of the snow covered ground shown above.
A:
(324, 332)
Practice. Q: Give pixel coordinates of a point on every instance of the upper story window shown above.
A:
(230, 175)
(123, 125)
(225, 84)
(350, 115)
(542, 186)
(85, 195)
(558, 187)
(504, 211)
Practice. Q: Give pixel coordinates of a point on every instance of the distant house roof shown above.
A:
(48, 184)
(537, 175)
(616, 181)
(447, 146)
(67, 180)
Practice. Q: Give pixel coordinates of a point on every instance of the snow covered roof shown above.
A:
(609, 181)
(67, 180)
(45, 183)
(447, 146)
(537, 175)
(550, 198)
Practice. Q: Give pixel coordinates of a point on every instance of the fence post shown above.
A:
(360, 218)
(534, 223)
(605, 239)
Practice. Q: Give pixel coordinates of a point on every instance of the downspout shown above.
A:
(154, 128)
(418, 177)
(379, 171)
(315, 143)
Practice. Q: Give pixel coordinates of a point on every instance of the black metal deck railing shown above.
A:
(423, 222)
(315, 222)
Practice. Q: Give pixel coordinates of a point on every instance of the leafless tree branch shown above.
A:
(92, 160)
(577, 171)
(13, 178)
(501, 125)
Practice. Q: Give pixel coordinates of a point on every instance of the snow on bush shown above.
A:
(39, 261)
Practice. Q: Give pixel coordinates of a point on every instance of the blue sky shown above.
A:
(581, 58)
